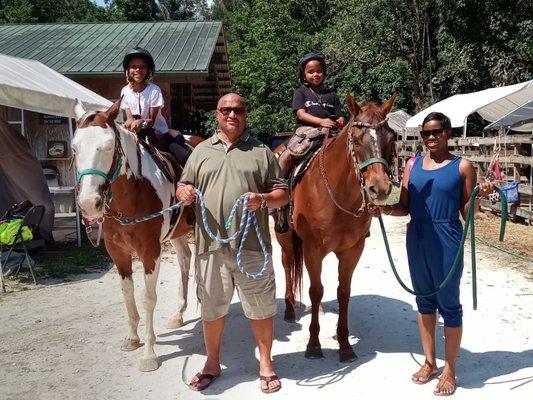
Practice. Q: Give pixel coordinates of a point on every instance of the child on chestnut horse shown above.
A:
(318, 113)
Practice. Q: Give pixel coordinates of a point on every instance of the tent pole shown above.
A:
(464, 126)
(22, 124)
(530, 180)
(78, 227)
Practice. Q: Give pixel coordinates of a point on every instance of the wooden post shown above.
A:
(78, 227)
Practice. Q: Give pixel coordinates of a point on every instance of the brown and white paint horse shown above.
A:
(330, 213)
(109, 158)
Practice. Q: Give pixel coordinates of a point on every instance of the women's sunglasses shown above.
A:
(436, 133)
(225, 111)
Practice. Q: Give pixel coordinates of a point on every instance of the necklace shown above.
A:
(319, 98)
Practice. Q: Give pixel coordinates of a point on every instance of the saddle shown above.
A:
(305, 139)
(171, 169)
(302, 165)
(300, 151)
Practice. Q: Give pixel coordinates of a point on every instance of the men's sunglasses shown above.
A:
(436, 133)
(225, 111)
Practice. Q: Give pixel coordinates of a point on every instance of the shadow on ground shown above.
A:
(378, 324)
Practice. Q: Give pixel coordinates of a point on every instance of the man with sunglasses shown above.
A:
(224, 167)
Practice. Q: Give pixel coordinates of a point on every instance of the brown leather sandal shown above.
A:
(449, 379)
(267, 380)
(197, 387)
(431, 374)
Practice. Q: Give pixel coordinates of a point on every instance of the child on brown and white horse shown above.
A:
(142, 101)
(119, 180)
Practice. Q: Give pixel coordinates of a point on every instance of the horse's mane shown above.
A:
(130, 145)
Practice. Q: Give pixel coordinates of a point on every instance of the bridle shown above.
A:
(109, 177)
(116, 165)
(357, 164)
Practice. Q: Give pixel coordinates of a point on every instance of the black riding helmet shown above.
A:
(139, 52)
(305, 59)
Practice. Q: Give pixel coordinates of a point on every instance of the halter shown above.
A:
(372, 160)
(116, 165)
(357, 165)
(109, 178)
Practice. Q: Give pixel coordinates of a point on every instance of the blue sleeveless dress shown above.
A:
(433, 237)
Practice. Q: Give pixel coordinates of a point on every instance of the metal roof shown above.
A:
(76, 49)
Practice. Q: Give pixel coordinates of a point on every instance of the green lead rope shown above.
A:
(468, 223)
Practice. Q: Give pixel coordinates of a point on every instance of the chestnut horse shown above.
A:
(330, 213)
(118, 179)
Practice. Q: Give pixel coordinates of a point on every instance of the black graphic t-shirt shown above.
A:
(320, 103)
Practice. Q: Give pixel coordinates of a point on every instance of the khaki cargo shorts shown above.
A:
(217, 275)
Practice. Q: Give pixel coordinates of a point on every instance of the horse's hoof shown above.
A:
(130, 344)
(149, 364)
(290, 316)
(174, 323)
(347, 355)
(314, 352)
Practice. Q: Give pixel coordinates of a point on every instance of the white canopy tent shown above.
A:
(397, 121)
(31, 85)
(521, 116)
(491, 104)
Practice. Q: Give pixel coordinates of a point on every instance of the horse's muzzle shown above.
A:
(379, 192)
(91, 206)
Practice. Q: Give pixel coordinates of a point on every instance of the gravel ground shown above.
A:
(62, 341)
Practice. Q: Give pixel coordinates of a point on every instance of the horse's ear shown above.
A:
(112, 112)
(387, 106)
(78, 109)
(353, 107)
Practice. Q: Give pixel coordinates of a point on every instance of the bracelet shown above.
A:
(263, 201)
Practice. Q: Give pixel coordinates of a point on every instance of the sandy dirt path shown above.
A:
(63, 341)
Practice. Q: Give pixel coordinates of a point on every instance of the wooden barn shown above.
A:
(192, 71)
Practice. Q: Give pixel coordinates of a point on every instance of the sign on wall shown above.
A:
(46, 119)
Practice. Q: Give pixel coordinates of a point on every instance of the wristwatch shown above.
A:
(263, 202)
(144, 125)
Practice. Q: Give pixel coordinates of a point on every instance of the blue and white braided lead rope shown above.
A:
(131, 221)
(248, 217)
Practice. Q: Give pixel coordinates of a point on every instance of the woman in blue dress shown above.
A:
(436, 188)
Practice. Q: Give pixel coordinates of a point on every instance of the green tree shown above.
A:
(483, 44)
(182, 9)
(16, 11)
(134, 10)
(265, 41)
(27, 11)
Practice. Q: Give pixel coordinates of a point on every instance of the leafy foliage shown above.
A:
(425, 50)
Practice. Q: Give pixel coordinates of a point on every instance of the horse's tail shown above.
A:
(298, 264)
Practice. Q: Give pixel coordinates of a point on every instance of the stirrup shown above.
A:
(282, 220)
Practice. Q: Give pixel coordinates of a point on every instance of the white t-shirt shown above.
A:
(139, 103)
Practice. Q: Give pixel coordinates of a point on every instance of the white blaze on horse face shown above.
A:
(94, 148)
(376, 152)
(377, 185)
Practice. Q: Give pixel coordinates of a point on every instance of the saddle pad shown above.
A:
(305, 140)
(164, 161)
(302, 166)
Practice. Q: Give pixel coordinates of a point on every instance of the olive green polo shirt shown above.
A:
(223, 174)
